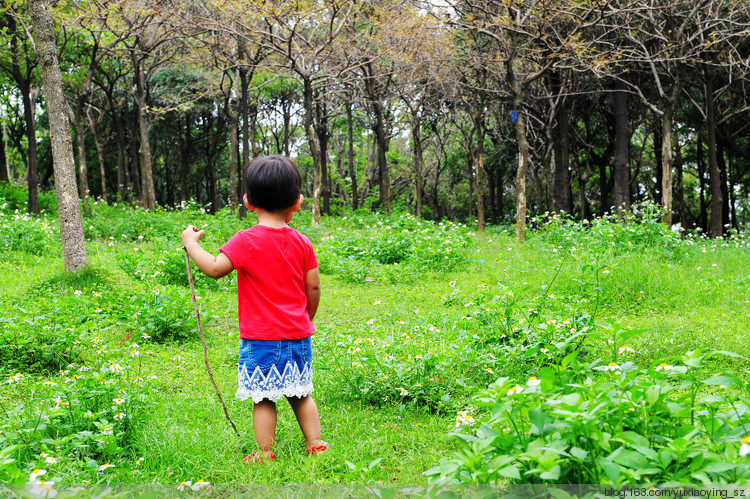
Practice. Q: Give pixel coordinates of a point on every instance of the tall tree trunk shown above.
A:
(83, 170)
(312, 140)
(666, 150)
(479, 125)
(621, 160)
(352, 166)
(148, 193)
(4, 167)
(245, 118)
(384, 178)
(186, 147)
(725, 210)
(523, 156)
(701, 163)
(233, 156)
(680, 187)
(31, 169)
(416, 133)
(716, 228)
(100, 157)
(562, 160)
(69, 214)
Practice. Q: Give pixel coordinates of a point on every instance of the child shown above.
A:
(278, 291)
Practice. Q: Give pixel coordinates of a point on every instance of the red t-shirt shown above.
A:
(271, 267)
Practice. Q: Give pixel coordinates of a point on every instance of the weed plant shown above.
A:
(587, 354)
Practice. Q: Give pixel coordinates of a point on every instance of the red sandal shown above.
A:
(318, 449)
(257, 457)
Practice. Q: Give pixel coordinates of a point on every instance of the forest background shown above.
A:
(604, 349)
(486, 110)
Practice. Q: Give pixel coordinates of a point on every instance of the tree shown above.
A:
(21, 66)
(69, 213)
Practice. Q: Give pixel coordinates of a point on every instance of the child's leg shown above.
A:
(307, 417)
(264, 424)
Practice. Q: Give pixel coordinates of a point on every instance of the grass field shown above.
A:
(415, 320)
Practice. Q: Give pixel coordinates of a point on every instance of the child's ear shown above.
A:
(247, 203)
(298, 203)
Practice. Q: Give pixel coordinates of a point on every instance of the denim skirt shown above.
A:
(271, 369)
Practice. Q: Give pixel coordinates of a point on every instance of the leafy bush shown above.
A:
(84, 418)
(588, 422)
(405, 371)
(165, 317)
(16, 197)
(26, 233)
(398, 248)
(639, 229)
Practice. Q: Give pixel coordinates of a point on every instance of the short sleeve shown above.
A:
(312, 259)
(234, 250)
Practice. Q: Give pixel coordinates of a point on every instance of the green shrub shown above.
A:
(164, 317)
(615, 423)
(26, 233)
(640, 229)
(85, 418)
(16, 197)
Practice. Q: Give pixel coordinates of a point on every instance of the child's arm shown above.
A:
(312, 290)
(213, 266)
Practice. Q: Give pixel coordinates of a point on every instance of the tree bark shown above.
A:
(83, 171)
(4, 170)
(523, 155)
(69, 213)
(352, 166)
(562, 160)
(312, 141)
(416, 133)
(621, 160)
(666, 150)
(479, 125)
(715, 228)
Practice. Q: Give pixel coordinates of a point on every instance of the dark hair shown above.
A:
(273, 183)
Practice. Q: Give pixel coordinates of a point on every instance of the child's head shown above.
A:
(273, 183)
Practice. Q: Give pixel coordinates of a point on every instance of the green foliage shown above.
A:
(396, 248)
(406, 371)
(82, 420)
(627, 425)
(166, 317)
(16, 197)
(639, 229)
(23, 232)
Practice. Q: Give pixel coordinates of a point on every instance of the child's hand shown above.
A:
(191, 235)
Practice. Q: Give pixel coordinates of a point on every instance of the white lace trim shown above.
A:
(290, 383)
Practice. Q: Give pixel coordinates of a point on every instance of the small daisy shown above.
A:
(514, 390)
(745, 447)
(36, 473)
(404, 392)
(464, 418)
(104, 467)
(625, 348)
(119, 416)
(663, 366)
(533, 381)
(612, 366)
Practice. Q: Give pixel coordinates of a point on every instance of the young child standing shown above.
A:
(278, 291)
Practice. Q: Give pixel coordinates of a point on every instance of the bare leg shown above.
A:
(307, 417)
(264, 425)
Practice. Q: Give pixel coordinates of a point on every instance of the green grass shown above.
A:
(417, 312)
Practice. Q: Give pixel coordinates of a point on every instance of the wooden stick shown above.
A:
(203, 340)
